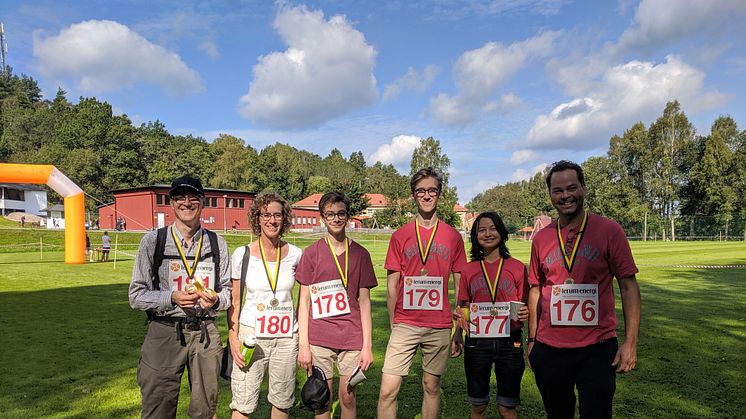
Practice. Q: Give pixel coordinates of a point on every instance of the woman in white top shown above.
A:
(267, 316)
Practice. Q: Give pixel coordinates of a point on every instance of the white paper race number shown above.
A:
(274, 322)
(489, 320)
(423, 293)
(329, 298)
(178, 278)
(574, 305)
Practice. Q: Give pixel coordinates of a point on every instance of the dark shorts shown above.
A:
(506, 355)
(559, 371)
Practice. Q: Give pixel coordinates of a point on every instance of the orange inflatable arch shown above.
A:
(74, 203)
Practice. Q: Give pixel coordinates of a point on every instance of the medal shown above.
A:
(492, 287)
(272, 280)
(569, 260)
(426, 252)
(569, 281)
(189, 269)
(346, 272)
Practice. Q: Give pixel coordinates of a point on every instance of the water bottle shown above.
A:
(247, 349)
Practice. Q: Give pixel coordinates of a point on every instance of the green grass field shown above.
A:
(71, 343)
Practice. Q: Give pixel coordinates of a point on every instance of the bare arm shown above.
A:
(233, 314)
(533, 320)
(305, 360)
(366, 354)
(392, 293)
(626, 356)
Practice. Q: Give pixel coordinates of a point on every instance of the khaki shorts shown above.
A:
(279, 355)
(403, 343)
(325, 359)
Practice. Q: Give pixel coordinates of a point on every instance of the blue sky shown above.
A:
(506, 86)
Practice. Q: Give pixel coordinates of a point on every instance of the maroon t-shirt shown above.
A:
(446, 256)
(513, 284)
(603, 254)
(316, 265)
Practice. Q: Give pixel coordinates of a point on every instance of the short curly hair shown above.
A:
(260, 203)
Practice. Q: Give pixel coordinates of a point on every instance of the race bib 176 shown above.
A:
(574, 305)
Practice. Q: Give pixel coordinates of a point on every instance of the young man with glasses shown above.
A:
(181, 327)
(334, 314)
(421, 257)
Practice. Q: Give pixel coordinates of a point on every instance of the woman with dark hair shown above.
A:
(490, 284)
(267, 321)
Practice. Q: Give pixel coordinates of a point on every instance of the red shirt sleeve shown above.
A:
(393, 255)
(463, 288)
(459, 258)
(535, 276)
(621, 262)
(367, 273)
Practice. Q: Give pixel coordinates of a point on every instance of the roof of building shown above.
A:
(459, 208)
(22, 186)
(161, 186)
(312, 201)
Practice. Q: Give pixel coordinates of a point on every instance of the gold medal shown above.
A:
(492, 286)
(423, 272)
(424, 253)
(570, 259)
(189, 269)
(272, 280)
(344, 275)
(569, 281)
(274, 302)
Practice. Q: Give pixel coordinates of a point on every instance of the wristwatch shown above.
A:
(530, 340)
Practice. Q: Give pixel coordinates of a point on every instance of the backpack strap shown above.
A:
(160, 248)
(215, 250)
(244, 269)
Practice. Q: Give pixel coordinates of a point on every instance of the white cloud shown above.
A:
(326, 71)
(507, 103)
(209, 48)
(412, 80)
(397, 152)
(523, 174)
(102, 55)
(627, 93)
(659, 22)
(522, 156)
(479, 73)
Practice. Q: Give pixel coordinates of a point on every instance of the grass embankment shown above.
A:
(71, 342)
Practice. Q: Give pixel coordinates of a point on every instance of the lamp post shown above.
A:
(225, 219)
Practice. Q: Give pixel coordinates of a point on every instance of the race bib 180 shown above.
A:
(574, 305)
(329, 298)
(423, 293)
(274, 322)
(487, 320)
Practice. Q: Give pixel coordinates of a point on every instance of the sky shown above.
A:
(507, 86)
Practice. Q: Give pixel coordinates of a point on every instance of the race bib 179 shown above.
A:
(423, 293)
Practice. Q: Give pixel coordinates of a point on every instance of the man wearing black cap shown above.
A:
(181, 279)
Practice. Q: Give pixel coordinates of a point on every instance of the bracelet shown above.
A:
(530, 340)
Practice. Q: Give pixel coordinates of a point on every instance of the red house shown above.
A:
(149, 207)
(306, 211)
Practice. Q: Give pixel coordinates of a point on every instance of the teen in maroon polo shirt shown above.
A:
(572, 324)
(334, 315)
(421, 257)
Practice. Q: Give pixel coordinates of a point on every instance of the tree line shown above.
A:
(102, 152)
(657, 181)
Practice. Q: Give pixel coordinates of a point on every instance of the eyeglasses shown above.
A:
(265, 216)
(181, 199)
(419, 193)
(329, 216)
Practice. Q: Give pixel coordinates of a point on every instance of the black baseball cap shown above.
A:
(315, 393)
(186, 184)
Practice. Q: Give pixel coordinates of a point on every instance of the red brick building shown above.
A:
(306, 211)
(149, 207)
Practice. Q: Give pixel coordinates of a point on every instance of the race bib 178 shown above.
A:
(328, 299)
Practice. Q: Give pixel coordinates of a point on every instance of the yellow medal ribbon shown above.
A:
(570, 260)
(272, 281)
(424, 254)
(177, 242)
(346, 273)
(492, 288)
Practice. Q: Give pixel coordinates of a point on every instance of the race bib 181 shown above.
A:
(274, 322)
(574, 305)
(329, 298)
(488, 320)
(423, 293)
(178, 278)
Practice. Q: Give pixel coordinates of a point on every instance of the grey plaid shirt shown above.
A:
(141, 293)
